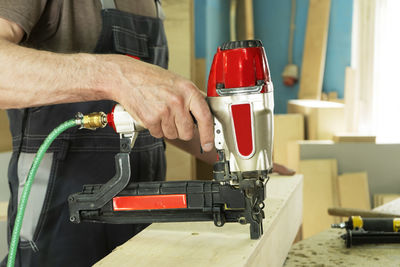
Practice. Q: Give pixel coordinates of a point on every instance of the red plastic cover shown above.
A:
(151, 202)
(242, 122)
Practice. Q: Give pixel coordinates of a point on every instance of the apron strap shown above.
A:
(160, 12)
(108, 4)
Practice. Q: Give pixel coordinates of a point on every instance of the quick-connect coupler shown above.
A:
(91, 121)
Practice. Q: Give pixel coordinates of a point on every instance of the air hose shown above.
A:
(91, 121)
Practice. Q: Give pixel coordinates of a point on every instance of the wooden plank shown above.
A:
(353, 138)
(332, 96)
(391, 207)
(319, 193)
(287, 128)
(293, 155)
(351, 100)
(3, 211)
(375, 159)
(381, 199)
(313, 65)
(5, 134)
(179, 28)
(354, 190)
(200, 74)
(245, 21)
(203, 244)
(322, 118)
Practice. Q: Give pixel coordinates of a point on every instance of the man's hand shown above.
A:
(282, 169)
(160, 100)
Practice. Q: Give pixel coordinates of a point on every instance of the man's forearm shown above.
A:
(160, 100)
(33, 78)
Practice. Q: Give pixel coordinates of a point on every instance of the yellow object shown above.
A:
(357, 222)
(94, 120)
(396, 225)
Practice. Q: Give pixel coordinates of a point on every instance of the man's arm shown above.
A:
(159, 99)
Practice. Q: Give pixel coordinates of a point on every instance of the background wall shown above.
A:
(272, 20)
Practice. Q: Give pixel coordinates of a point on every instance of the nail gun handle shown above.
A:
(122, 122)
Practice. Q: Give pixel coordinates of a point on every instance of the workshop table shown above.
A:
(328, 249)
(203, 244)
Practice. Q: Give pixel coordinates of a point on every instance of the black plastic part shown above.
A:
(373, 224)
(217, 201)
(372, 237)
(94, 197)
(241, 44)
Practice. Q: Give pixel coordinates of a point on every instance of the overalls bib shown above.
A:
(81, 157)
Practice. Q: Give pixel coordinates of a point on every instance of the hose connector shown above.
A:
(91, 121)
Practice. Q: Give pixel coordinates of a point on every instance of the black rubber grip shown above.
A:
(241, 44)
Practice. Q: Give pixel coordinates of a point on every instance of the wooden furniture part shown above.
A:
(378, 160)
(5, 135)
(381, 199)
(319, 193)
(322, 118)
(351, 100)
(179, 28)
(353, 138)
(3, 211)
(203, 244)
(328, 249)
(354, 190)
(391, 207)
(313, 65)
(245, 21)
(347, 212)
(287, 128)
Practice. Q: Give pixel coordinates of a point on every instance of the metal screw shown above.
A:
(72, 218)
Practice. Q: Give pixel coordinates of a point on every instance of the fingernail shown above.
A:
(208, 147)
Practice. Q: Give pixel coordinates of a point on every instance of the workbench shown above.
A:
(328, 249)
(203, 244)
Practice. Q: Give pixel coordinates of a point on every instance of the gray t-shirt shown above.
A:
(65, 26)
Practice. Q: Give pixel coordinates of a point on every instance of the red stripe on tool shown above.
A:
(151, 202)
(241, 115)
(135, 57)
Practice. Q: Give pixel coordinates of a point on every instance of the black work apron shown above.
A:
(81, 157)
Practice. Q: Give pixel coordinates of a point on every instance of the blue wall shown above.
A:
(271, 20)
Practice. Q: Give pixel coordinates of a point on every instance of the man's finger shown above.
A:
(185, 126)
(282, 170)
(202, 113)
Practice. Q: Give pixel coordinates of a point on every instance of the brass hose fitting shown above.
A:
(92, 121)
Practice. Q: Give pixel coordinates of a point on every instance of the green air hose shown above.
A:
(27, 188)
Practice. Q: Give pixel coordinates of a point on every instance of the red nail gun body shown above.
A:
(240, 96)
